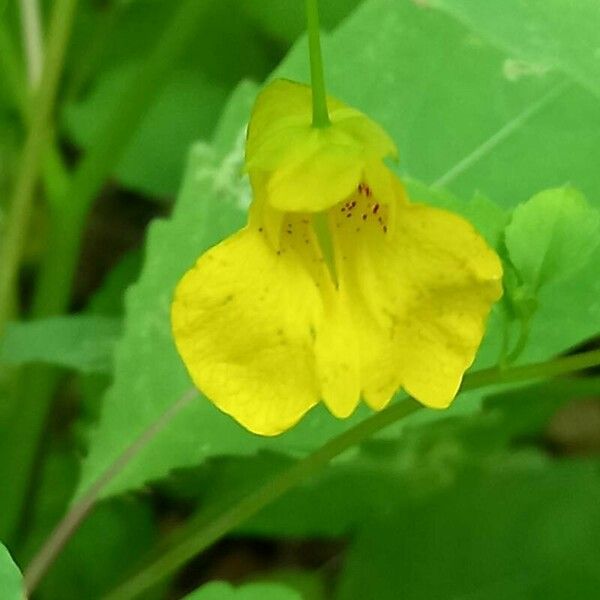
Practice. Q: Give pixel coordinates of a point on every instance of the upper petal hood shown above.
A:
(310, 169)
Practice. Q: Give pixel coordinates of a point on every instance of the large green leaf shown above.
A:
(558, 34)
(441, 93)
(11, 582)
(107, 301)
(528, 534)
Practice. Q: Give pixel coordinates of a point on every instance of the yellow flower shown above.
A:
(339, 288)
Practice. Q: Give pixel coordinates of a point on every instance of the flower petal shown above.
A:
(243, 320)
(317, 175)
(337, 356)
(420, 294)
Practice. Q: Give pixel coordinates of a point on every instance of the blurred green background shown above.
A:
(489, 103)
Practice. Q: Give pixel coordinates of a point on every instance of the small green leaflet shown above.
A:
(552, 236)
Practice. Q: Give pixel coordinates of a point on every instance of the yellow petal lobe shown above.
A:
(420, 293)
(337, 358)
(243, 320)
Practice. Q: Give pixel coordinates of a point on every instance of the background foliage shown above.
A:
(495, 107)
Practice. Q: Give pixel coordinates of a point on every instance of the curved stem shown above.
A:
(208, 532)
(319, 93)
(543, 370)
(525, 326)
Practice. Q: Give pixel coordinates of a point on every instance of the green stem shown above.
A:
(543, 370)
(20, 204)
(32, 40)
(55, 174)
(208, 532)
(60, 261)
(524, 329)
(319, 93)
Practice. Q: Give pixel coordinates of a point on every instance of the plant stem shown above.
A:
(32, 40)
(543, 370)
(22, 198)
(208, 532)
(319, 93)
(60, 261)
(524, 329)
(55, 174)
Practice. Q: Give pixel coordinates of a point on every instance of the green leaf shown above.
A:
(546, 33)
(527, 534)
(219, 590)
(552, 236)
(441, 93)
(107, 301)
(11, 582)
(83, 343)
